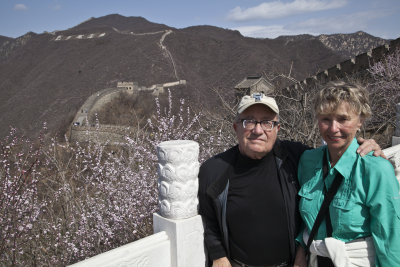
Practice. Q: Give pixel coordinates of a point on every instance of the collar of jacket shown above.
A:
(218, 186)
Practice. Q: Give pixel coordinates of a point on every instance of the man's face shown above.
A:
(256, 143)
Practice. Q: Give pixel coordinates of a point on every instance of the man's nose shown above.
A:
(258, 129)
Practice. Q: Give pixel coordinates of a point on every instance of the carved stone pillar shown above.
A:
(178, 169)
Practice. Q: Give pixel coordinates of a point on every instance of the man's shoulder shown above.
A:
(216, 165)
(293, 148)
(226, 157)
(294, 144)
(213, 169)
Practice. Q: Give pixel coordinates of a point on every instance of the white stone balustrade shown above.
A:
(151, 251)
(393, 155)
(186, 239)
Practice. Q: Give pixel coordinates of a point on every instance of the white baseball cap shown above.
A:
(257, 98)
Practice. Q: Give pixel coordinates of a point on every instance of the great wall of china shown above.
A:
(349, 67)
(80, 131)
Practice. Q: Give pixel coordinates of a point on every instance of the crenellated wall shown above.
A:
(104, 99)
(79, 36)
(354, 65)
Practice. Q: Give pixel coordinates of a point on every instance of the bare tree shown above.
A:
(384, 88)
(295, 108)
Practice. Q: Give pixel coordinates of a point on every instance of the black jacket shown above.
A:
(213, 191)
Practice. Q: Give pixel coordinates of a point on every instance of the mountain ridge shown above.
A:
(348, 45)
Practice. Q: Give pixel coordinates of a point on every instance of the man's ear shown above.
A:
(234, 126)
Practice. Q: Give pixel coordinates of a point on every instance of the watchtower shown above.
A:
(253, 84)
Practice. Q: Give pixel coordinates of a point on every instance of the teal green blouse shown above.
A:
(366, 204)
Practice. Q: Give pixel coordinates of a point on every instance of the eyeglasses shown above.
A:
(266, 125)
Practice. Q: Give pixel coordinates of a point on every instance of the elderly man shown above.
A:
(248, 194)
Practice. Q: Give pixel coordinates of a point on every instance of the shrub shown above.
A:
(20, 207)
(64, 202)
(384, 95)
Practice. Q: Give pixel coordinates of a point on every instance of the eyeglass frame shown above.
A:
(273, 123)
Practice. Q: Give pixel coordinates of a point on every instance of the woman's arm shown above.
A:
(383, 200)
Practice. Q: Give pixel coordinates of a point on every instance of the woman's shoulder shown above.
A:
(377, 164)
(379, 177)
(378, 171)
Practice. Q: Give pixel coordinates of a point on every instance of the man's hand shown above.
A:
(300, 260)
(368, 145)
(221, 262)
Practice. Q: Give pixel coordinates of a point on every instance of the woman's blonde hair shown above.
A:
(335, 93)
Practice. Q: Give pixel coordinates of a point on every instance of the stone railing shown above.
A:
(393, 155)
(154, 250)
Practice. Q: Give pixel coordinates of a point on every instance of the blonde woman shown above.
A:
(361, 223)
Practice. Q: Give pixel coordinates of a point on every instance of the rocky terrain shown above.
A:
(347, 45)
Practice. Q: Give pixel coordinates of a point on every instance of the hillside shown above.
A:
(46, 77)
(347, 45)
(4, 39)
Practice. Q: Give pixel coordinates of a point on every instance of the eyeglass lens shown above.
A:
(265, 125)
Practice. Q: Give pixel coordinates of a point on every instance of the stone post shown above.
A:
(396, 137)
(178, 169)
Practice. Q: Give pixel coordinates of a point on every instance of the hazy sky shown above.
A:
(254, 18)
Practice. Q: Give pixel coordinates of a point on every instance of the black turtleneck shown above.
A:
(256, 216)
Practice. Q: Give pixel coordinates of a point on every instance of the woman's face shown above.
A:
(339, 127)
